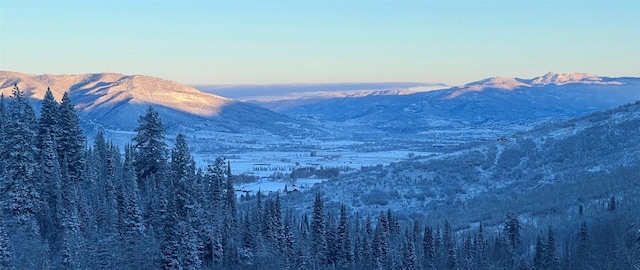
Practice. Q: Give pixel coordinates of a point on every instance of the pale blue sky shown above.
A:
(257, 42)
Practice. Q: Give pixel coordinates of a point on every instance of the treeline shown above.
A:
(67, 205)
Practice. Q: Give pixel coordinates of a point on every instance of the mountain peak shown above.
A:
(552, 78)
(503, 83)
(96, 90)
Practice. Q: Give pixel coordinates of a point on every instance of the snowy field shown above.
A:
(266, 165)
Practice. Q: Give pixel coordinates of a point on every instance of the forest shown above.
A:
(67, 203)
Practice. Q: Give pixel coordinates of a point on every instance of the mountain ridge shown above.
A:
(495, 99)
(115, 101)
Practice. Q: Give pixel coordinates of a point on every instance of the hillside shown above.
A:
(113, 102)
(545, 175)
(489, 101)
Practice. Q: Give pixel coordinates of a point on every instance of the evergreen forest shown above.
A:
(67, 203)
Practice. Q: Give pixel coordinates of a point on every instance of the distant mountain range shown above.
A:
(114, 102)
(486, 101)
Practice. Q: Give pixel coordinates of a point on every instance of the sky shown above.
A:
(313, 41)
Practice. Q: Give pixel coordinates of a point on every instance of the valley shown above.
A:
(557, 149)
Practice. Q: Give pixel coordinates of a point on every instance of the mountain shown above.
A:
(114, 102)
(544, 174)
(493, 100)
(283, 103)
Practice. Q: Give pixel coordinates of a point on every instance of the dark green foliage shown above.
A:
(319, 242)
(150, 145)
(612, 204)
(70, 140)
(48, 122)
(512, 230)
(5, 253)
(583, 249)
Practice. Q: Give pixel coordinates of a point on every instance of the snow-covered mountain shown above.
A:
(283, 103)
(491, 100)
(544, 174)
(114, 102)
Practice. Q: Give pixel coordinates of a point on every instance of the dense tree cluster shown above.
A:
(66, 205)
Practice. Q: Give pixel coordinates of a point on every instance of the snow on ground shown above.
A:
(265, 163)
(268, 186)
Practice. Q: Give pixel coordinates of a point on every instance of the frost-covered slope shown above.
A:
(548, 171)
(491, 100)
(115, 101)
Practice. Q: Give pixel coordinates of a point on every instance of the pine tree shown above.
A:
(5, 253)
(345, 252)
(540, 253)
(171, 255)
(231, 235)
(428, 248)
(19, 186)
(481, 248)
(150, 146)
(583, 251)
(70, 139)
(449, 246)
(70, 221)
(611, 206)
(319, 243)
(129, 208)
(131, 227)
(467, 254)
(3, 115)
(438, 247)
(410, 261)
(551, 260)
(21, 197)
(330, 236)
(512, 230)
(48, 122)
(50, 190)
(289, 252)
(380, 248)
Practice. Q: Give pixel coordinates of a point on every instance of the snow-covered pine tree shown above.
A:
(3, 113)
(409, 260)
(289, 259)
(48, 121)
(428, 248)
(551, 261)
(449, 246)
(171, 246)
(150, 146)
(231, 232)
(70, 139)
(480, 248)
(318, 240)
(466, 259)
(130, 221)
(50, 191)
(186, 205)
(512, 230)
(583, 249)
(19, 193)
(344, 248)
(246, 253)
(276, 229)
(5, 253)
(380, 248)
(21, 198)
(70, 222)
(540, 252)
